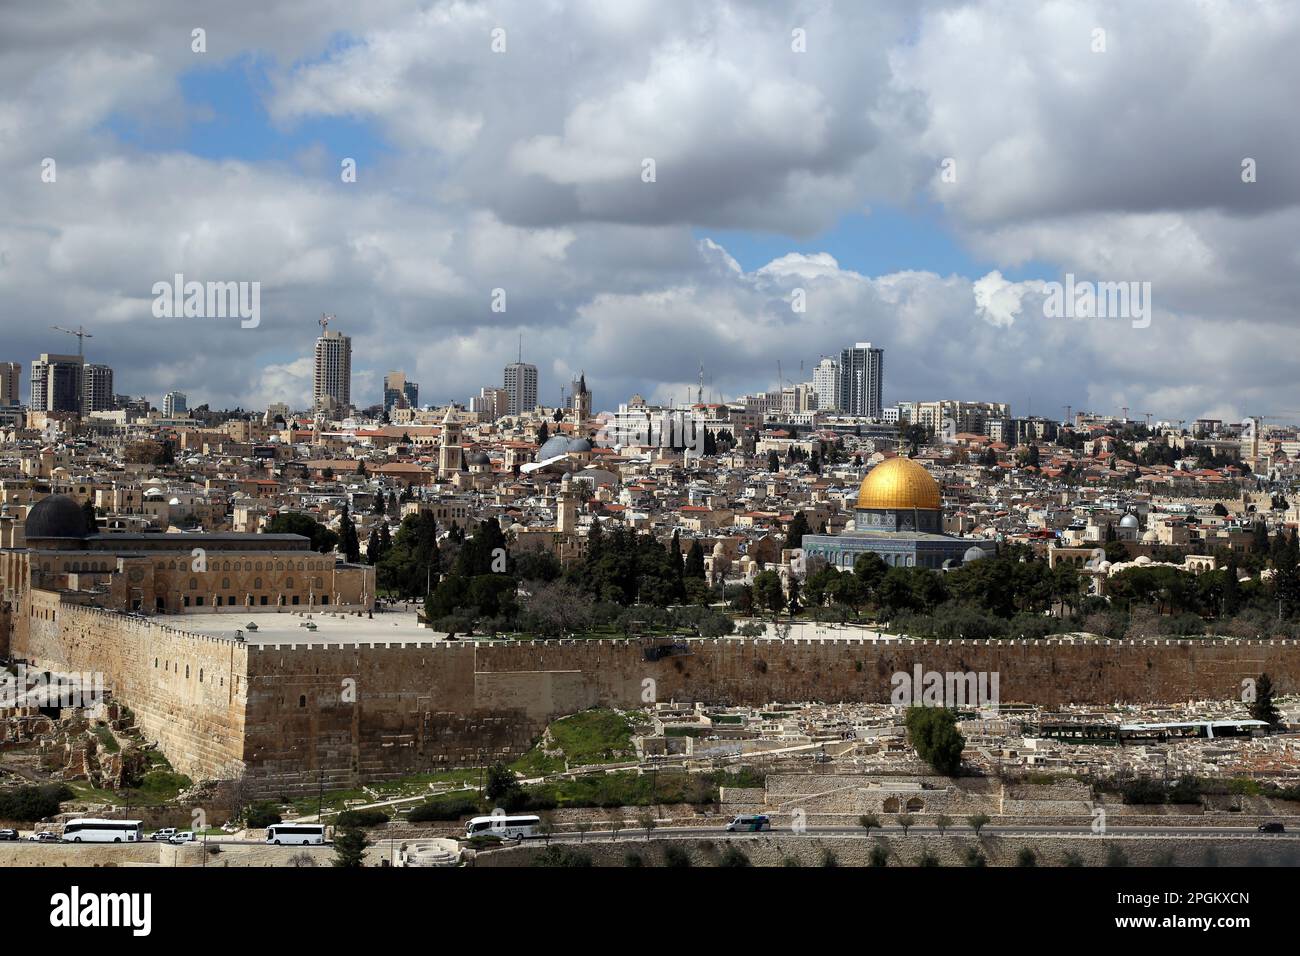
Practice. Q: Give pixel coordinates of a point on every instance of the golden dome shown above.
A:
(899, 484)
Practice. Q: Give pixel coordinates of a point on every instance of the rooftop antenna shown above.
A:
(80, 333)
(699, 391)
(521, 348)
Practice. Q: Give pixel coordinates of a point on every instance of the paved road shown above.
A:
(635, 834)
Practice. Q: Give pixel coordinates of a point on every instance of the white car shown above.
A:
(184, 836)
(166, 833)
(45, 836)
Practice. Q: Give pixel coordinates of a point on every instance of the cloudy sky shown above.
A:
(917, 170)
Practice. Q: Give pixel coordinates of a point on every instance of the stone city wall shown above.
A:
(374, 710)
(187, 691)
(305, 715)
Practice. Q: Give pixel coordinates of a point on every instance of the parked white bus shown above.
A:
(507, 828)
(93, 830)
(295, 834)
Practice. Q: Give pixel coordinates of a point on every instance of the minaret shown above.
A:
(566, 507)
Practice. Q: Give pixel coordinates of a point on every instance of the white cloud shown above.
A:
(522, 170)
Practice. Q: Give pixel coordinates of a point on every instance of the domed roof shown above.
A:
(899, 484)
(1128, 521)
(579, 445)
(57, 516)
(553, 448)
(974, 553)
(478, 458)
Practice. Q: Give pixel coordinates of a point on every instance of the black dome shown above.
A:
(57, 516)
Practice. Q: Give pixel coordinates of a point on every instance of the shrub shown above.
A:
(452, 809)
(676, 856)
(26, 804)
(561, 856)
(262, 815)
(361, 818)
(734, 857)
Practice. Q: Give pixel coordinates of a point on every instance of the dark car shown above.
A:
(1272, 828)
(8, 834)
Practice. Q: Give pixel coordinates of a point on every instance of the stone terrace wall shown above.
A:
(186, 690)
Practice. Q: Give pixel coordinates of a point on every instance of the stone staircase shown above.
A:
(439, 852)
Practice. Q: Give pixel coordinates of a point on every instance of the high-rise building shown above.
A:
(861, 370)
(332, 383)
(98, 389)
(10, 374)
(521, 387)
(57, 383)
(490, 403)
(175, 404)
(399, 393)
(826, 383)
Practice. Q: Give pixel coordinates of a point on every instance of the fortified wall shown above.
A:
(365, 711)
(299, 716)
(187, 691)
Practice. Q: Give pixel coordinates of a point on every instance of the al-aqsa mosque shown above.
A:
(899, 516)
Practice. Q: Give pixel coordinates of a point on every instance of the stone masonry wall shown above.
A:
(187, 691)
(350, 712)
(301, 716)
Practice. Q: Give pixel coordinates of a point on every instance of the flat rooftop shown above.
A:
(290, 626)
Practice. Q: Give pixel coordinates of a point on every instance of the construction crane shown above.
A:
(80, 333)
(324, 321)
(1148, 416)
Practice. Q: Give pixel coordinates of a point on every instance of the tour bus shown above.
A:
(91, 830)
(295, 834)
(507, 828)
(749, 824)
